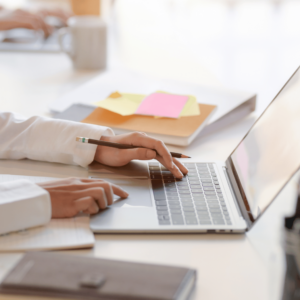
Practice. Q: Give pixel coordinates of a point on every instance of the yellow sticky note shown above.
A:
(125, 105)
(191, 107)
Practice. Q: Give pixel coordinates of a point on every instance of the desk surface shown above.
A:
(240, 266)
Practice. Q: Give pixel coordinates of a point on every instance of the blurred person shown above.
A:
(25, 204)
(12, 19)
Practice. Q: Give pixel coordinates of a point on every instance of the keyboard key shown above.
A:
(164, 222)
(181, 183)
(197, 190)
(168, 177)
(186, 198)
(176, 202)
(194, 180)
(211, 197)
(198, 196)
(196, 185)
(171, 194)
(188, 209)
(175, 211)
(170, 185)
(217, 205)
(173, 198)
(191, 221)
(190, 165)
(205, 222)
(199, 201)
(162, 212)
(158, 189)
(178, 221)
(200, 206)
(187, 204)
(162, 207)
(210, 193)
(183, 188)
(155, 176)
(219, 222)
(161, 202)
(189, 213)
(160, 217)
(171, 189)
(169, 180)
(206, 180)
(174, 206)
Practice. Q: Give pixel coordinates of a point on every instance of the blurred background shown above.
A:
(251, 45)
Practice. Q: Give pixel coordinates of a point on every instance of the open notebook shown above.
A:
(58, 234)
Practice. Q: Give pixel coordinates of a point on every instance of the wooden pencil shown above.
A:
(121, 146)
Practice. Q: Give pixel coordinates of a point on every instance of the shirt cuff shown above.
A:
(84, 153)
(23, 204)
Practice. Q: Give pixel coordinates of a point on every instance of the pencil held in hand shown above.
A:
(121, 146)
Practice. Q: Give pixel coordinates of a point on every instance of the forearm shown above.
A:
(47, 139)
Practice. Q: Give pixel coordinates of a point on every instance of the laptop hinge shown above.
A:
(237, 205)
(232, 192)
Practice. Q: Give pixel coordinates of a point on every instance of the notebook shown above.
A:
(58, 234)
(172, 131)
(61, 275)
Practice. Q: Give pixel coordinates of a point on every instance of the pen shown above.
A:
(121, 146)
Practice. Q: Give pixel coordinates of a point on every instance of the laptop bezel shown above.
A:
(235, 181)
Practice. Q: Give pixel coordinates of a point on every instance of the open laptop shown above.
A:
(216, 197)
(26, 40)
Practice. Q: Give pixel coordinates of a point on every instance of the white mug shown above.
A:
(88, 42)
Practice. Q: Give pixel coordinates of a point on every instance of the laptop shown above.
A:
(225, 196)
(26, 40)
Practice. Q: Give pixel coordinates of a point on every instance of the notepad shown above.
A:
(58, 234)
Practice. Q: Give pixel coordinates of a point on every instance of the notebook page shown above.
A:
(57, 234)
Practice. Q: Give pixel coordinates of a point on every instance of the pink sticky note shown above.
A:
(162, 105)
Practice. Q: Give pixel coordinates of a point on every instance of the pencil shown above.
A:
(121, 146)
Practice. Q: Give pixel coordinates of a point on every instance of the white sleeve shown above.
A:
(45, 139)
(23, 204)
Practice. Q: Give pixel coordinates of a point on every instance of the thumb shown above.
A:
(138, 153)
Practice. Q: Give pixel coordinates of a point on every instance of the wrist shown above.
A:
(105, 138)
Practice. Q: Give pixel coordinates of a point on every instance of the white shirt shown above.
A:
(24, 204)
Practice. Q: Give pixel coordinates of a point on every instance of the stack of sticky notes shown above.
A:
(158, 104)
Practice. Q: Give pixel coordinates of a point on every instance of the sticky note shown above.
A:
(191, 107)
(162, 105)
(123, 104)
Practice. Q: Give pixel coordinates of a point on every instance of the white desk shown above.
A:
(246, 266)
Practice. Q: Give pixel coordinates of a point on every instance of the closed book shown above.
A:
(60, 275)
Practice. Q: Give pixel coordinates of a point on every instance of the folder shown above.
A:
(167, 129)
(61, 275)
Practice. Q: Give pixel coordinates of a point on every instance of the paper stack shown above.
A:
(158, 104)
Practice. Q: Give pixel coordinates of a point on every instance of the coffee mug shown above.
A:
(88, 42)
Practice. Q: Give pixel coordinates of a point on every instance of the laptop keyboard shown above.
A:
(195, 199)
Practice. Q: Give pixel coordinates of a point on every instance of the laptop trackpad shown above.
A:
(138, 190)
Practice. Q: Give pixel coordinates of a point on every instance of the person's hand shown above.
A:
(62, 15)
(72, 195)
(23, 19)
(120, 157)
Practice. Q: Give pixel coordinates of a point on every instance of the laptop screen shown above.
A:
(269, 154)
